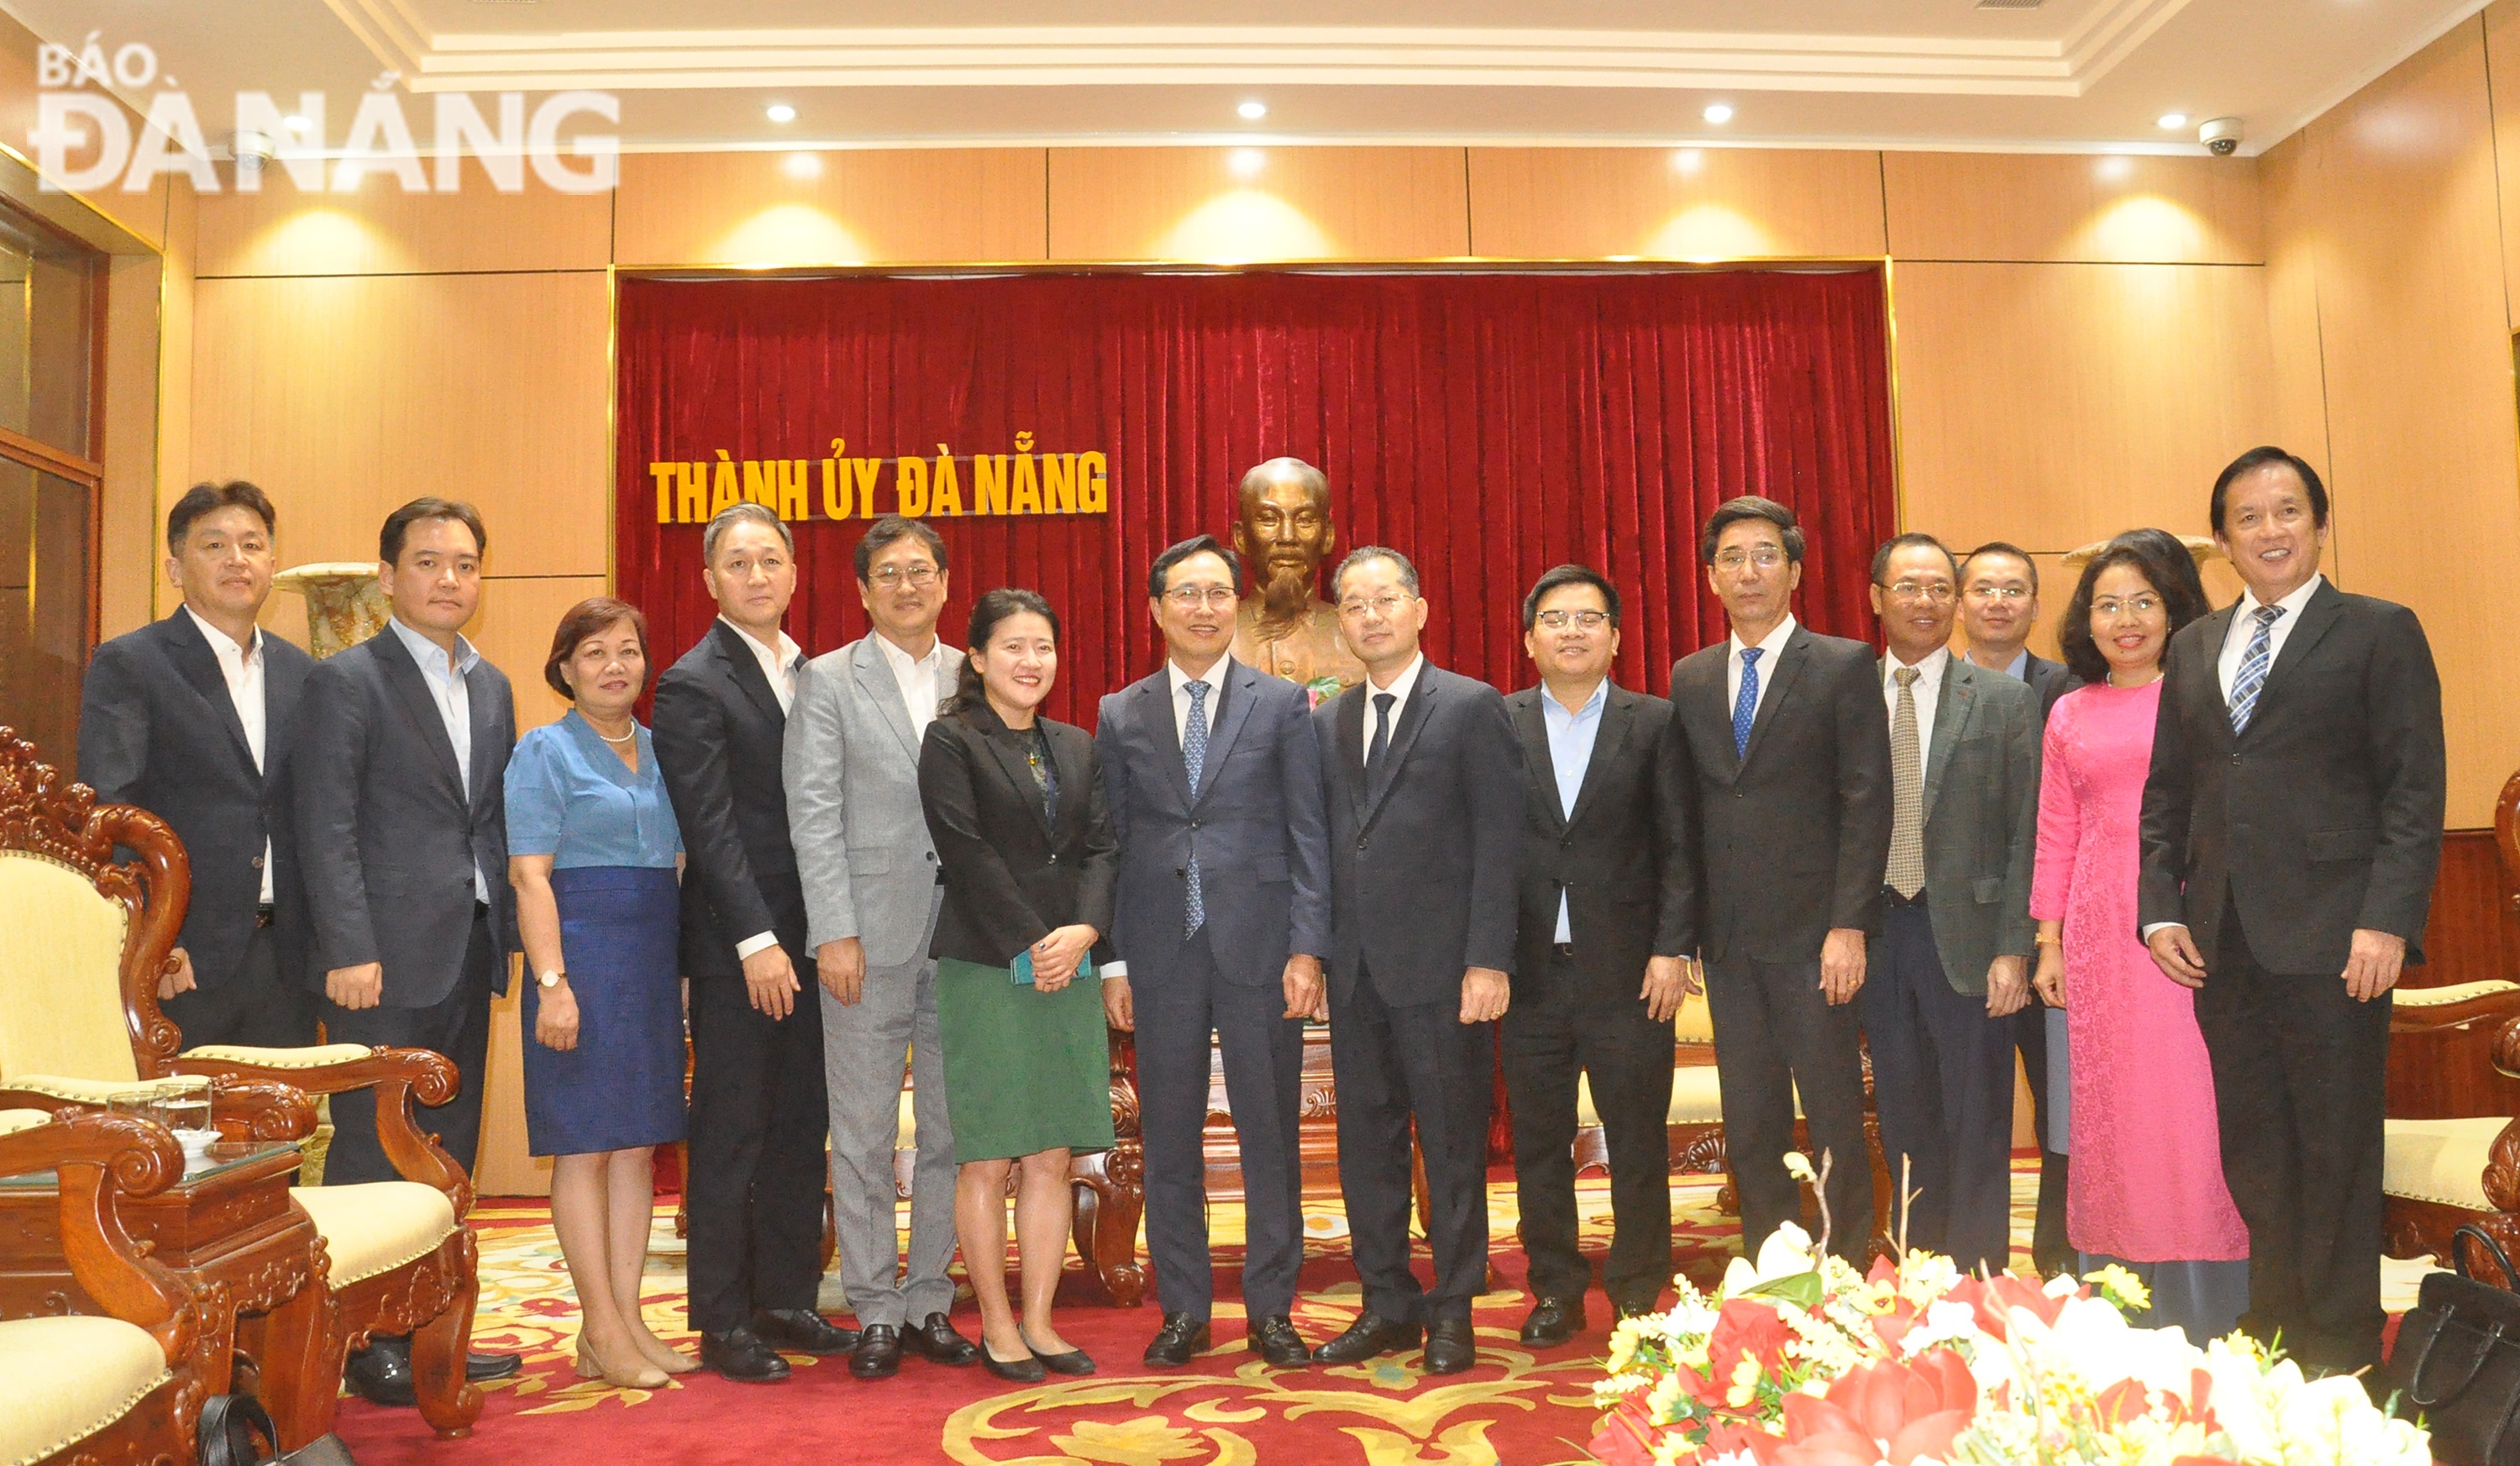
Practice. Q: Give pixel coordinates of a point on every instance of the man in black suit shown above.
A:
(1214, 783)
(1607, 934)
(758, 1116)
(193, 720)
(1998, 608)
(1787, 756)
(1423, 782)
(2293, 826)
(400, 776)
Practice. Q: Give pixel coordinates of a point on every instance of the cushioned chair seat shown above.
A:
(314, 1056)
(2455, 992)
(2441, 1159)
(13, 1121)
(376, 1226)
(79, 1091)
(1694, 1099)
(69, 1378)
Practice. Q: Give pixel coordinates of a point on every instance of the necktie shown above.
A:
(2252, 677)
(1906, 874)
(1745, 708)
(1373, 751)
(1194, 757)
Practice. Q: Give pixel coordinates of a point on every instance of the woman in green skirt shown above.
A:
(1014, 804)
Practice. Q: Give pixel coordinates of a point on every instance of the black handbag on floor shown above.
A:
(2457, 1361)
(237, 1430)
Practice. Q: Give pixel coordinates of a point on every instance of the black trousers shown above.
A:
(2299, 1082)
(759, 1119)
(1391, 1065)
(1177, 1008)
(252, 1005)
(1775, 1033)
(1942, 1083)
(457, 1026)
(2050, 1251)
(1553, 1037)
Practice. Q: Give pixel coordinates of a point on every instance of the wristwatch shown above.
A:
(551, 979)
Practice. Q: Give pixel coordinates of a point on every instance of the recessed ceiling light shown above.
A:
(1718, 113)
(296, 124)
(802, 166)
(1253, 111)
(2173, 120)
(779, 111)
(1245, 163)
(1686, 160)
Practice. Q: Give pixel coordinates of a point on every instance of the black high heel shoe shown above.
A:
(1075, 1362)
(1027, 1370)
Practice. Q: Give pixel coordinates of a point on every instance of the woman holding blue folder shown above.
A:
(1014, 804)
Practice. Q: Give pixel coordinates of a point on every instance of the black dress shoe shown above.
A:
(1371, 1334)
(937, 1341)
(1553, 1322)
(741, 1356)
(1175, 1343)
(382, 1373)
(878, 1356)
(1624, 1309)
(803, 1331)
(1075, 1362)
(479, 1367)
(1275, 1340)
(1449, 1347)
(1027, 1370)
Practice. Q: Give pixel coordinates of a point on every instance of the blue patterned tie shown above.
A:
(1745, 708)
(1195, 757)
(2252, 677)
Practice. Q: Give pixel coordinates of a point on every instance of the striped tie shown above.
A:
(1906, 871)
(2252, 677)
(1195, 763)
(1745, 707)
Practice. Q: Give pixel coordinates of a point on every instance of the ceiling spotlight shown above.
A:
(802, 166)
(1718, 113)
(2173, 120)
(1245, 163)
(1253, 112)
(779, 111)
(296, 124)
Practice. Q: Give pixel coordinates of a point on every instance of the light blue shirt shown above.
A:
(1571, 736)
(453, 696)
(571, 797)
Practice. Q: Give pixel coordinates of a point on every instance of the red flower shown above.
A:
(1884, 1411)
(1624, 1439)
(1745, 1328)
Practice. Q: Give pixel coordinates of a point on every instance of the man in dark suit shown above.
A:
(1607, 935)
(193, 718)
(2293, 826)
(1952, 965)
(758, 1116)
(1214, 783)
(1787, 756)
(1423, 782)
(1998, 608)
(400, 776)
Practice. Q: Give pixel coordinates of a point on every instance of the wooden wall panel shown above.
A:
(2052, 405)
(2421, 424)
(2502, 78)
(2118, 209)
(917, 206)
(347, 396)
(126, 549)
(1187, 203)
(379, 229)
(1674, 204)
(175, 367)
(2289, 176)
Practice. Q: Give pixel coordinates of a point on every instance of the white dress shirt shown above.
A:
(1572, 735)
(779, 667)
(443, 672)
(1399, 690)
(1929, 693)
(241, 668)
(1774, 643)
(1214, 677)
(921, 679)
(2244, 625)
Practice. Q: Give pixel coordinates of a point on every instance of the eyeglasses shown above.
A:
(1559, 621)
(1385, 607)
(2131, 605)
(2000, 592)
(1765, 556)
(889, 576)
(1938, 592)
(1192, 597)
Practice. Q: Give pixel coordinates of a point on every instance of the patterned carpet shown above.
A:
(1530, 1408)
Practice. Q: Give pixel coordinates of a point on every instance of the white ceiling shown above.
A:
(2069, 75)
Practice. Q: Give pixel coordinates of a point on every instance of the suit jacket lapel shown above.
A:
(1154, 719)
(745, 670)
(193, 657)
(282, 680)
(1952, 707)
(2325, 604)
(1618, 715)
(1412, 716)
(1240, 691)
(411, 685)
(1006, 746)
(1073, 759)
(1701, 702)
(1348, 758)
(1790, 665)
(1531, 726)
(876, 679)
(479, 700)
(2207, 670)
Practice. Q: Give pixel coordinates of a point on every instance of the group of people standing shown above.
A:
(2205, 845)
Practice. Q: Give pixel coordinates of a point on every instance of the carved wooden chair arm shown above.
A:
(100, 1159)
(2507, 1048)
(397, 1074)
(260, 1109)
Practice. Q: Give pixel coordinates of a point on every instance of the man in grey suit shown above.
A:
(401, 786)
(871, 896)
(1949, 966)
(1214, 784)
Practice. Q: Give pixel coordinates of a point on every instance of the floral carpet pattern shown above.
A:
(1520, 1406)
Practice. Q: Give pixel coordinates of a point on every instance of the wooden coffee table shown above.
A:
(229, 1220)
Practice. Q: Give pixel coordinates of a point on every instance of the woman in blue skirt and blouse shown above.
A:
(595, 855)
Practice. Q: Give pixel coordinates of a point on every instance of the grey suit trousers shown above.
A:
(863, 1048)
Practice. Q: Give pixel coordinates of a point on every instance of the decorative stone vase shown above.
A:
(344, 606)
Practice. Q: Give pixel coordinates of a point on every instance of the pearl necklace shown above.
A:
(607, 737)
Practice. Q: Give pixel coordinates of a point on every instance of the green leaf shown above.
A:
(1803, 1288)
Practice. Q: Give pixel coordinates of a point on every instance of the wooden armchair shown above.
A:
(126, 1383)
(79, 1023)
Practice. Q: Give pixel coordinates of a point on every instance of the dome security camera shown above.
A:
(2221, 136)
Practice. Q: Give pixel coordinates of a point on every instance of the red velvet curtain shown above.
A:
(1487, 425)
